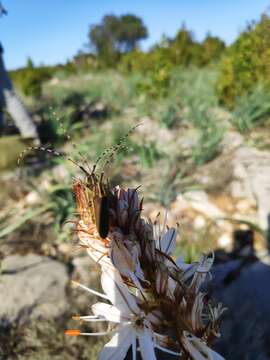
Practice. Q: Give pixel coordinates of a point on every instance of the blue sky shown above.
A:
(52, 31)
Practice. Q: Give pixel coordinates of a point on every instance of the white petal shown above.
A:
(202, 272)
(146, 345)
(168, 351)
(118, 292)
(168, 241)
(165, 222)
(197, 349)
(121, 258)
(95, 249)
(181, 264)
(117, 347)
(206, 263)
(102, 260)
(196, 312)
(171, 287)
(189, 272)
(109, 312)
(134, 347)
(138, 270)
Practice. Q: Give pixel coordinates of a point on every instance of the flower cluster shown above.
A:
(152, 301)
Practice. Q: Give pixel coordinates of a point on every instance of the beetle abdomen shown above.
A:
(101, 208)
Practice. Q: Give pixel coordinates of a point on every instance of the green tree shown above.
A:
(182, 47)
(212, 49)
(29, 63)
(245, 63)
(116, 35)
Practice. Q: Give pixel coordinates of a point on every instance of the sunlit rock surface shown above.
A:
(33, 287)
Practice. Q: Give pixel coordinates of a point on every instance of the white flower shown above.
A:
(197, 349)
(130, 322)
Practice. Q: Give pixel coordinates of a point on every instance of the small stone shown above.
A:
(32, 198)
(199, 222)
(225, 241)
(243, 206)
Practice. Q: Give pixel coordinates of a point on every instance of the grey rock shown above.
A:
(87, 273)
(245, 330)
(31, 287)
(231, 141)
(85, 270)
(251, 179)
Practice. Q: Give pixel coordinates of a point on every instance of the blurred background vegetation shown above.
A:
(240, 69)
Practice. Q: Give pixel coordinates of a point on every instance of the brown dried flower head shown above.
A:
(167, 291)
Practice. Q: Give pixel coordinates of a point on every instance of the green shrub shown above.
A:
(74, 93)
(148, 153)
(30, 79)
(194, 90)
(62, 200)
(246, 63)
(135, 61)
(208, 143)
(169, 115)
(211, 50)
(183, 51)
(252, 109)
(153, 67)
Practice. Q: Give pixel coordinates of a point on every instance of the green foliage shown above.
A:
(131, 30)
(197, 102)
(7, 226)
(63, 208)
(208, 143)
(212, 49)
(76, 92)
(135, 61)
(85, 61)
(157, 65)
(252, 109)
(148, 153)
(156, 83)
(246, 63)
(30, 79)
(60, 204)
(116, 35)
(169, 115)
(183, 47)
(166, 191)
(194, 90)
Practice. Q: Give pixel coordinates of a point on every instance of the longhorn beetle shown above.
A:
(98, 188)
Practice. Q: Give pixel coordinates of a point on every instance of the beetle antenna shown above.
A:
(112, 150)
(69, 137)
